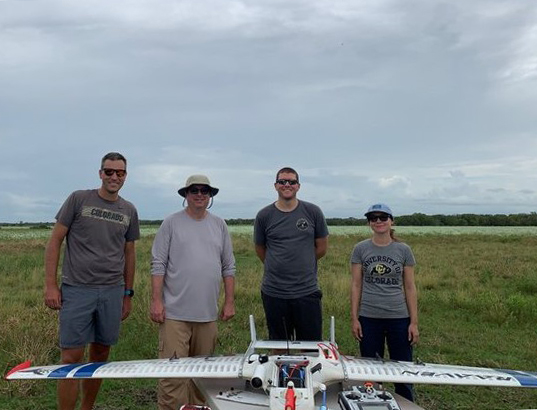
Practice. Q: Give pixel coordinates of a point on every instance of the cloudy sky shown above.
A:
(429, 106)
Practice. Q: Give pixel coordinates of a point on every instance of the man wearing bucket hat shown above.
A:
(191, 255)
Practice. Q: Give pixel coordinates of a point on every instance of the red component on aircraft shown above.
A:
(21, 366)
(290, 398)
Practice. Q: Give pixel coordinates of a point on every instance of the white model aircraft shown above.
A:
(290, 381)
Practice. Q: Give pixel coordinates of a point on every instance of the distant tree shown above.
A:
(42, 226)
(239, 221)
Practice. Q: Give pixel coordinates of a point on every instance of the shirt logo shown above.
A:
(302, 224)
(106, 215)
(381, 269)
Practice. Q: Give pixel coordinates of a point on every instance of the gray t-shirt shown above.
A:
(383, 294)
(289, 239)
(95, 245)
(194, 256)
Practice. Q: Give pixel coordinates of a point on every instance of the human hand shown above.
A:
(413, 334)
(157, 311)
(53, 297)
(127, 307)
(357, 329)
(227, 312)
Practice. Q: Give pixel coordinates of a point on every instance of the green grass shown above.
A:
(477, 302)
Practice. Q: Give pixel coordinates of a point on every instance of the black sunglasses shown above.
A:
(203, 191)
(110, 171)
(287, 181)
(374, 218)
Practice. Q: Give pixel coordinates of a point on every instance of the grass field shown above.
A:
(477, 302)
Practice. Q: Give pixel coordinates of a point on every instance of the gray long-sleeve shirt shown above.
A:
(194, 256)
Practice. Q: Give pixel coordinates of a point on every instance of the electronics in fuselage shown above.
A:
(292, 371)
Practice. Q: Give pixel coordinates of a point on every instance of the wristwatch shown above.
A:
(129, 292)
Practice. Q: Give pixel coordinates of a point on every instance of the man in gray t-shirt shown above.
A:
(98, 268)
(192, 256)
(290, 236)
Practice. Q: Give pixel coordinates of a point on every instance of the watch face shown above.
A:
(129, 292)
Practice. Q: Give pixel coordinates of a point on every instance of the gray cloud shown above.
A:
(426, 106)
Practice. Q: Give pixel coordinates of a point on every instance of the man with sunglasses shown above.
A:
(290, 236)
(192, 255)
(97, 274)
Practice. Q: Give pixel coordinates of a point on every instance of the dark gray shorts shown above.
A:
(90, 315)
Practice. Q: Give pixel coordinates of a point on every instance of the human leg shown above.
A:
(90, 387)
(278, 318)
(400, 349)
(75, 332)
(108, 315)
(174, 341)
(372, 343)
(203, 343)
(106, 324)
(308, 316)
(68, 389)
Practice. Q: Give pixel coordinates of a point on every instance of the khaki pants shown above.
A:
(183, 339)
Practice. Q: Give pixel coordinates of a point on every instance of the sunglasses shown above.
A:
(203, 191)
(374, 218)
(287, 181)
(119, 172)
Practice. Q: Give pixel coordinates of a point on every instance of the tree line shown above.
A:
(419, 219)
(415, 219)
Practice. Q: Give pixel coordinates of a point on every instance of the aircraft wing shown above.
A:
(186, 367)
(378, 370)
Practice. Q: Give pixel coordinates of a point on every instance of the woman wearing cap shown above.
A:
(384, 307)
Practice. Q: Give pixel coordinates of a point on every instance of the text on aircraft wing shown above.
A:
(326, 366)
(185, 367)
(378, 370)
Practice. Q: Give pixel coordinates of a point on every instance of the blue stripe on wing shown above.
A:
(88, 370)
(525, 379)
(62, 371)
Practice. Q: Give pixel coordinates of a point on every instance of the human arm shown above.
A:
(321, 246)
(356, 297)
(160, 253)
(228, 310)
(157, 311)
(260, 239)
(52, 294)
(411, 296)
(261, 251)
(228, 275)
(320, 233)
(128, 275)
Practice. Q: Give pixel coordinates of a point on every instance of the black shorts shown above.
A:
(294, 319)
